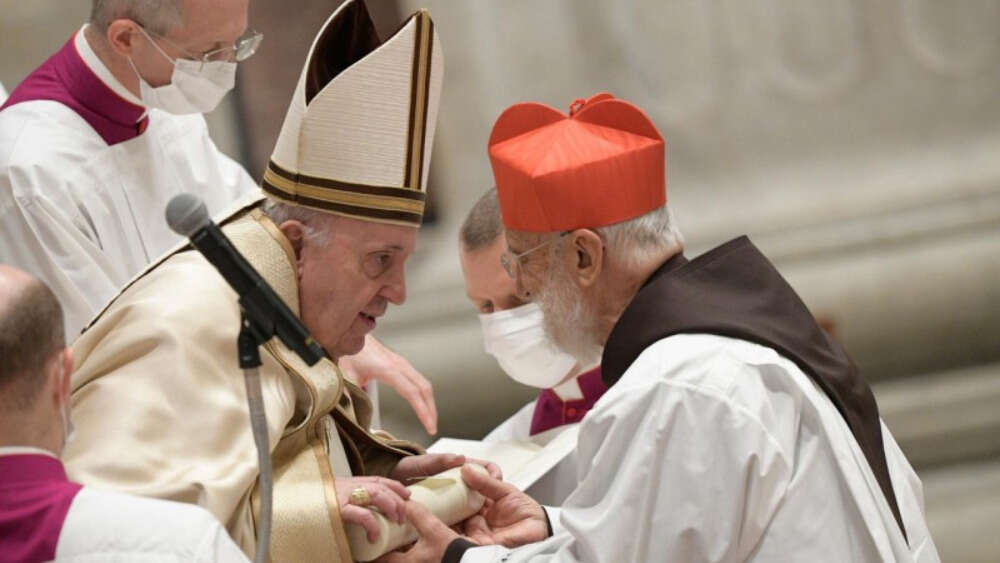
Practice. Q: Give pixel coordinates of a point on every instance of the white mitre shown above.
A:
(357, 137)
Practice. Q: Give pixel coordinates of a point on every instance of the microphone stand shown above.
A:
(250, 339)
(263, 315)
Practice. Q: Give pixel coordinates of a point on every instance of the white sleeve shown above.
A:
(677, 472)
(218, 547)
(554, 514)
(44, 240)
(104, 526)
(910, 496)
(235, 179)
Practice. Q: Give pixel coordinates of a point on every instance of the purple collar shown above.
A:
(29, 468)
(35, 497)
(551, 411)
(66, 78)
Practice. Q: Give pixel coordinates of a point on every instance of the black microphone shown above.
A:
(267, 313)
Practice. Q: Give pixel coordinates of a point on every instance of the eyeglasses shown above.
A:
(243, 49)
(512, 262)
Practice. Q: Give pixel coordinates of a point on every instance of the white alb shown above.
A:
(715, 449)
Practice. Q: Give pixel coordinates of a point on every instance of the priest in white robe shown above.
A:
(734, 428)
(95, 142)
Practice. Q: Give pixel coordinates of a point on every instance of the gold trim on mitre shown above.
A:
(384, 204)
(419, 97)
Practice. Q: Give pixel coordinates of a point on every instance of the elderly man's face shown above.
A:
(348, 277)
(548, 277)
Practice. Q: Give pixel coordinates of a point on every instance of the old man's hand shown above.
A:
(510, 518)
(434, 538)
(418, 467)
(379, 363)
(356, 494)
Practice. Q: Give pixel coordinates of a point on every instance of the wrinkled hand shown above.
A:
(434, 538)
(510, 518)
(417, 467)
(388, 496)
(376, 362)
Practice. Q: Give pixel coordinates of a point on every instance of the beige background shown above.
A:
(855, 141)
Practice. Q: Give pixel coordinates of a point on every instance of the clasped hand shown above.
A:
(509, 518)
(388, 494)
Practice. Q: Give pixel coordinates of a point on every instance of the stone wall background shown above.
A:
(855, 141)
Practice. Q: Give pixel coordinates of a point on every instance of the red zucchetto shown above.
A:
(602, 164)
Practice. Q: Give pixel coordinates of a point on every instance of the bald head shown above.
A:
(31, 336)
(12, 281)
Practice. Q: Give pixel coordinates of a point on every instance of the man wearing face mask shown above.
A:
(43, 515)
(96, 141)
(514, 334)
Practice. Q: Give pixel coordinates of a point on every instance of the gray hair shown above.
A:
(158, 16)
(641, 238)
(483, 224)
(318, 225)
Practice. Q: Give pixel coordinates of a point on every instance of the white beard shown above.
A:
(570, 322)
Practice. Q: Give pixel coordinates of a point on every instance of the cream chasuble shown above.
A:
(158, 398)
(160, 406)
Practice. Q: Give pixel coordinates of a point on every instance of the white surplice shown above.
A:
(110, 527)
(716, 449)
(85, 216)
(557, 483)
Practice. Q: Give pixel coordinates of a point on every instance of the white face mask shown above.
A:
(516, 338)
(195, 86)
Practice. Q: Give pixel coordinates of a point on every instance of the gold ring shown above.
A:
(361, 497)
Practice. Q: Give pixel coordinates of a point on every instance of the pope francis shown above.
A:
(158, 398)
